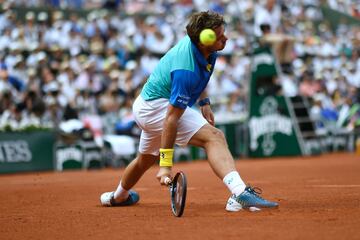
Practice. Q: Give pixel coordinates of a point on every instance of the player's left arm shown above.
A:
(205, 108)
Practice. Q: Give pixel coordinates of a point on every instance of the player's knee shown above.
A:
(217, 136)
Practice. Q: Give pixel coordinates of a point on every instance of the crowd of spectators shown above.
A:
(55, 68)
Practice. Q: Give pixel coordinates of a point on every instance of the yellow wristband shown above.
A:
(166, 157)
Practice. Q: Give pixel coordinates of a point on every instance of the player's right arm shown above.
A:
(181, 87)
(168, 141)
(170, 126)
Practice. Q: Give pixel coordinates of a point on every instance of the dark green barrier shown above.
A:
(68, 156)
(26, 151)
(271, 131)
(79, 155)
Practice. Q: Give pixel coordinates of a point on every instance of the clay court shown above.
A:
(319, 198)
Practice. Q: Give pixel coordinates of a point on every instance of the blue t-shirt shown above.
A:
(181, 75)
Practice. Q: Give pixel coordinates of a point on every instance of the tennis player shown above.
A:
(164, 112)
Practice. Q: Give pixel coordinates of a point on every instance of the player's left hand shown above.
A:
(208, 114)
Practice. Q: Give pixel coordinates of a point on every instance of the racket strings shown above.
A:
(178, 194)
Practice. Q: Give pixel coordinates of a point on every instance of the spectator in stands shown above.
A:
(308, 85)
(12, 117)
(8, 82)
(268, 15)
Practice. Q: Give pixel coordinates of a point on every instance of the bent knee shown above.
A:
(208, 135)
(217, 136)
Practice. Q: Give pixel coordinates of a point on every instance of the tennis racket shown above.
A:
(177, 188)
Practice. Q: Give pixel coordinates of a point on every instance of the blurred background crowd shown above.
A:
(58, 64)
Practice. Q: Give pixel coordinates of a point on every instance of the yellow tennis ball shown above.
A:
(207, 37)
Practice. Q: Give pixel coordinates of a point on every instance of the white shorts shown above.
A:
(150, 115)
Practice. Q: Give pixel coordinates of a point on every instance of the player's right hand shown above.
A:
(164, 172)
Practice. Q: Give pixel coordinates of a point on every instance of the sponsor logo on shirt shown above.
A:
(182, 99)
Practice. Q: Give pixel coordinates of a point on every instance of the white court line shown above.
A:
(146, 189)
(338, 186)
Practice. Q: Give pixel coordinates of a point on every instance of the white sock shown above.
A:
(121, 194)
(234, 183)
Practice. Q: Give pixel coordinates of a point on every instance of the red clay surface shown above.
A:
(319, 199)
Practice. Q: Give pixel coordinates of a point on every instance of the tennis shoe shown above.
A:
(249, 198)
(107, 199)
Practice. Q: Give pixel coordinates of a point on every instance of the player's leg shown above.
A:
(123, 195)
(200, 133)
(149, 116)
(193, 129)
(215, 145)
(219, 156)
(222, 162)
(132, 174)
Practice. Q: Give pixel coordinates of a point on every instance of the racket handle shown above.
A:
(167, 180)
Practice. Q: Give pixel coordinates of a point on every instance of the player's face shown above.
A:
(220, 39)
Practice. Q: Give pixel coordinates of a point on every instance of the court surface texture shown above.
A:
(319, 198)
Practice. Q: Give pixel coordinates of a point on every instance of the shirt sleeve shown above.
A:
(181, 88)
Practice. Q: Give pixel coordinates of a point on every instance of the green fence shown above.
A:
(26, 151)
